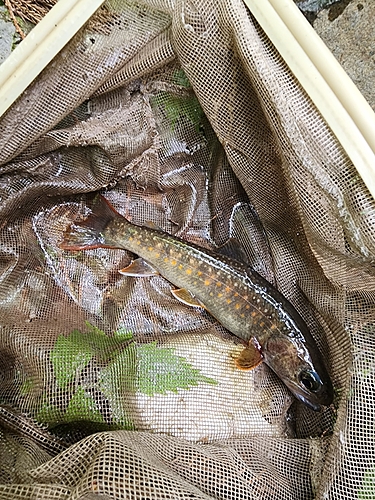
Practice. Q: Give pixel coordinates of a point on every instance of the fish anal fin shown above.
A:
(186, 297)
(152, 225)
(139, 268)
(250, 357)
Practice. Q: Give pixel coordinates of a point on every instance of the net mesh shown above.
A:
(184, 115)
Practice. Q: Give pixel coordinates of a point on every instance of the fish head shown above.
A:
(298, 363)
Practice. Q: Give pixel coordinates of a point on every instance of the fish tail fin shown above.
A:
(89, 233)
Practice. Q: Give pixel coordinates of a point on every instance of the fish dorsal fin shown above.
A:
(186, 297)
(139, 268)
(250, 357)
(232, 248)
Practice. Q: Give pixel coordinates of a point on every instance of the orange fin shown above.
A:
(250, 357)
(186, 297)
(139, 268)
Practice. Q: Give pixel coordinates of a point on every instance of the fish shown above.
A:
(239, 298)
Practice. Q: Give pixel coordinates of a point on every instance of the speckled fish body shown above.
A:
(238, 297)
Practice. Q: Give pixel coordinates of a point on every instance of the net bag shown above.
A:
(182, 114)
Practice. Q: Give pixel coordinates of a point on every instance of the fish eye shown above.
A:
(310, 380)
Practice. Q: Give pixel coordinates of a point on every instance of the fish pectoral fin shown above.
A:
(139, 268)
(186, 297)
(250, 357)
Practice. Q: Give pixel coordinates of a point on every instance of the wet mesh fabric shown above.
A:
(182, 114)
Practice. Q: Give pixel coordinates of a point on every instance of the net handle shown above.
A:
(337, 98)
(41, 45)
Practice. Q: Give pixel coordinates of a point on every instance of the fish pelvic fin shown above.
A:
(89, 233)
(139, 268)
(186, 297)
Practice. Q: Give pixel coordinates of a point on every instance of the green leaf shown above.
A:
(128, 368)
(123, 334)
(27, 386)
(367, 491)
(103, 347)
(160, 371)
(69, 357)
(82, 407)
(177, 107)
(117, 381)
(180, 78)
(148, 369)
(49, 414)
(72, 354)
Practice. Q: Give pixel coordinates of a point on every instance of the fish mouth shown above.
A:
(312, 401)
(307, 402)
